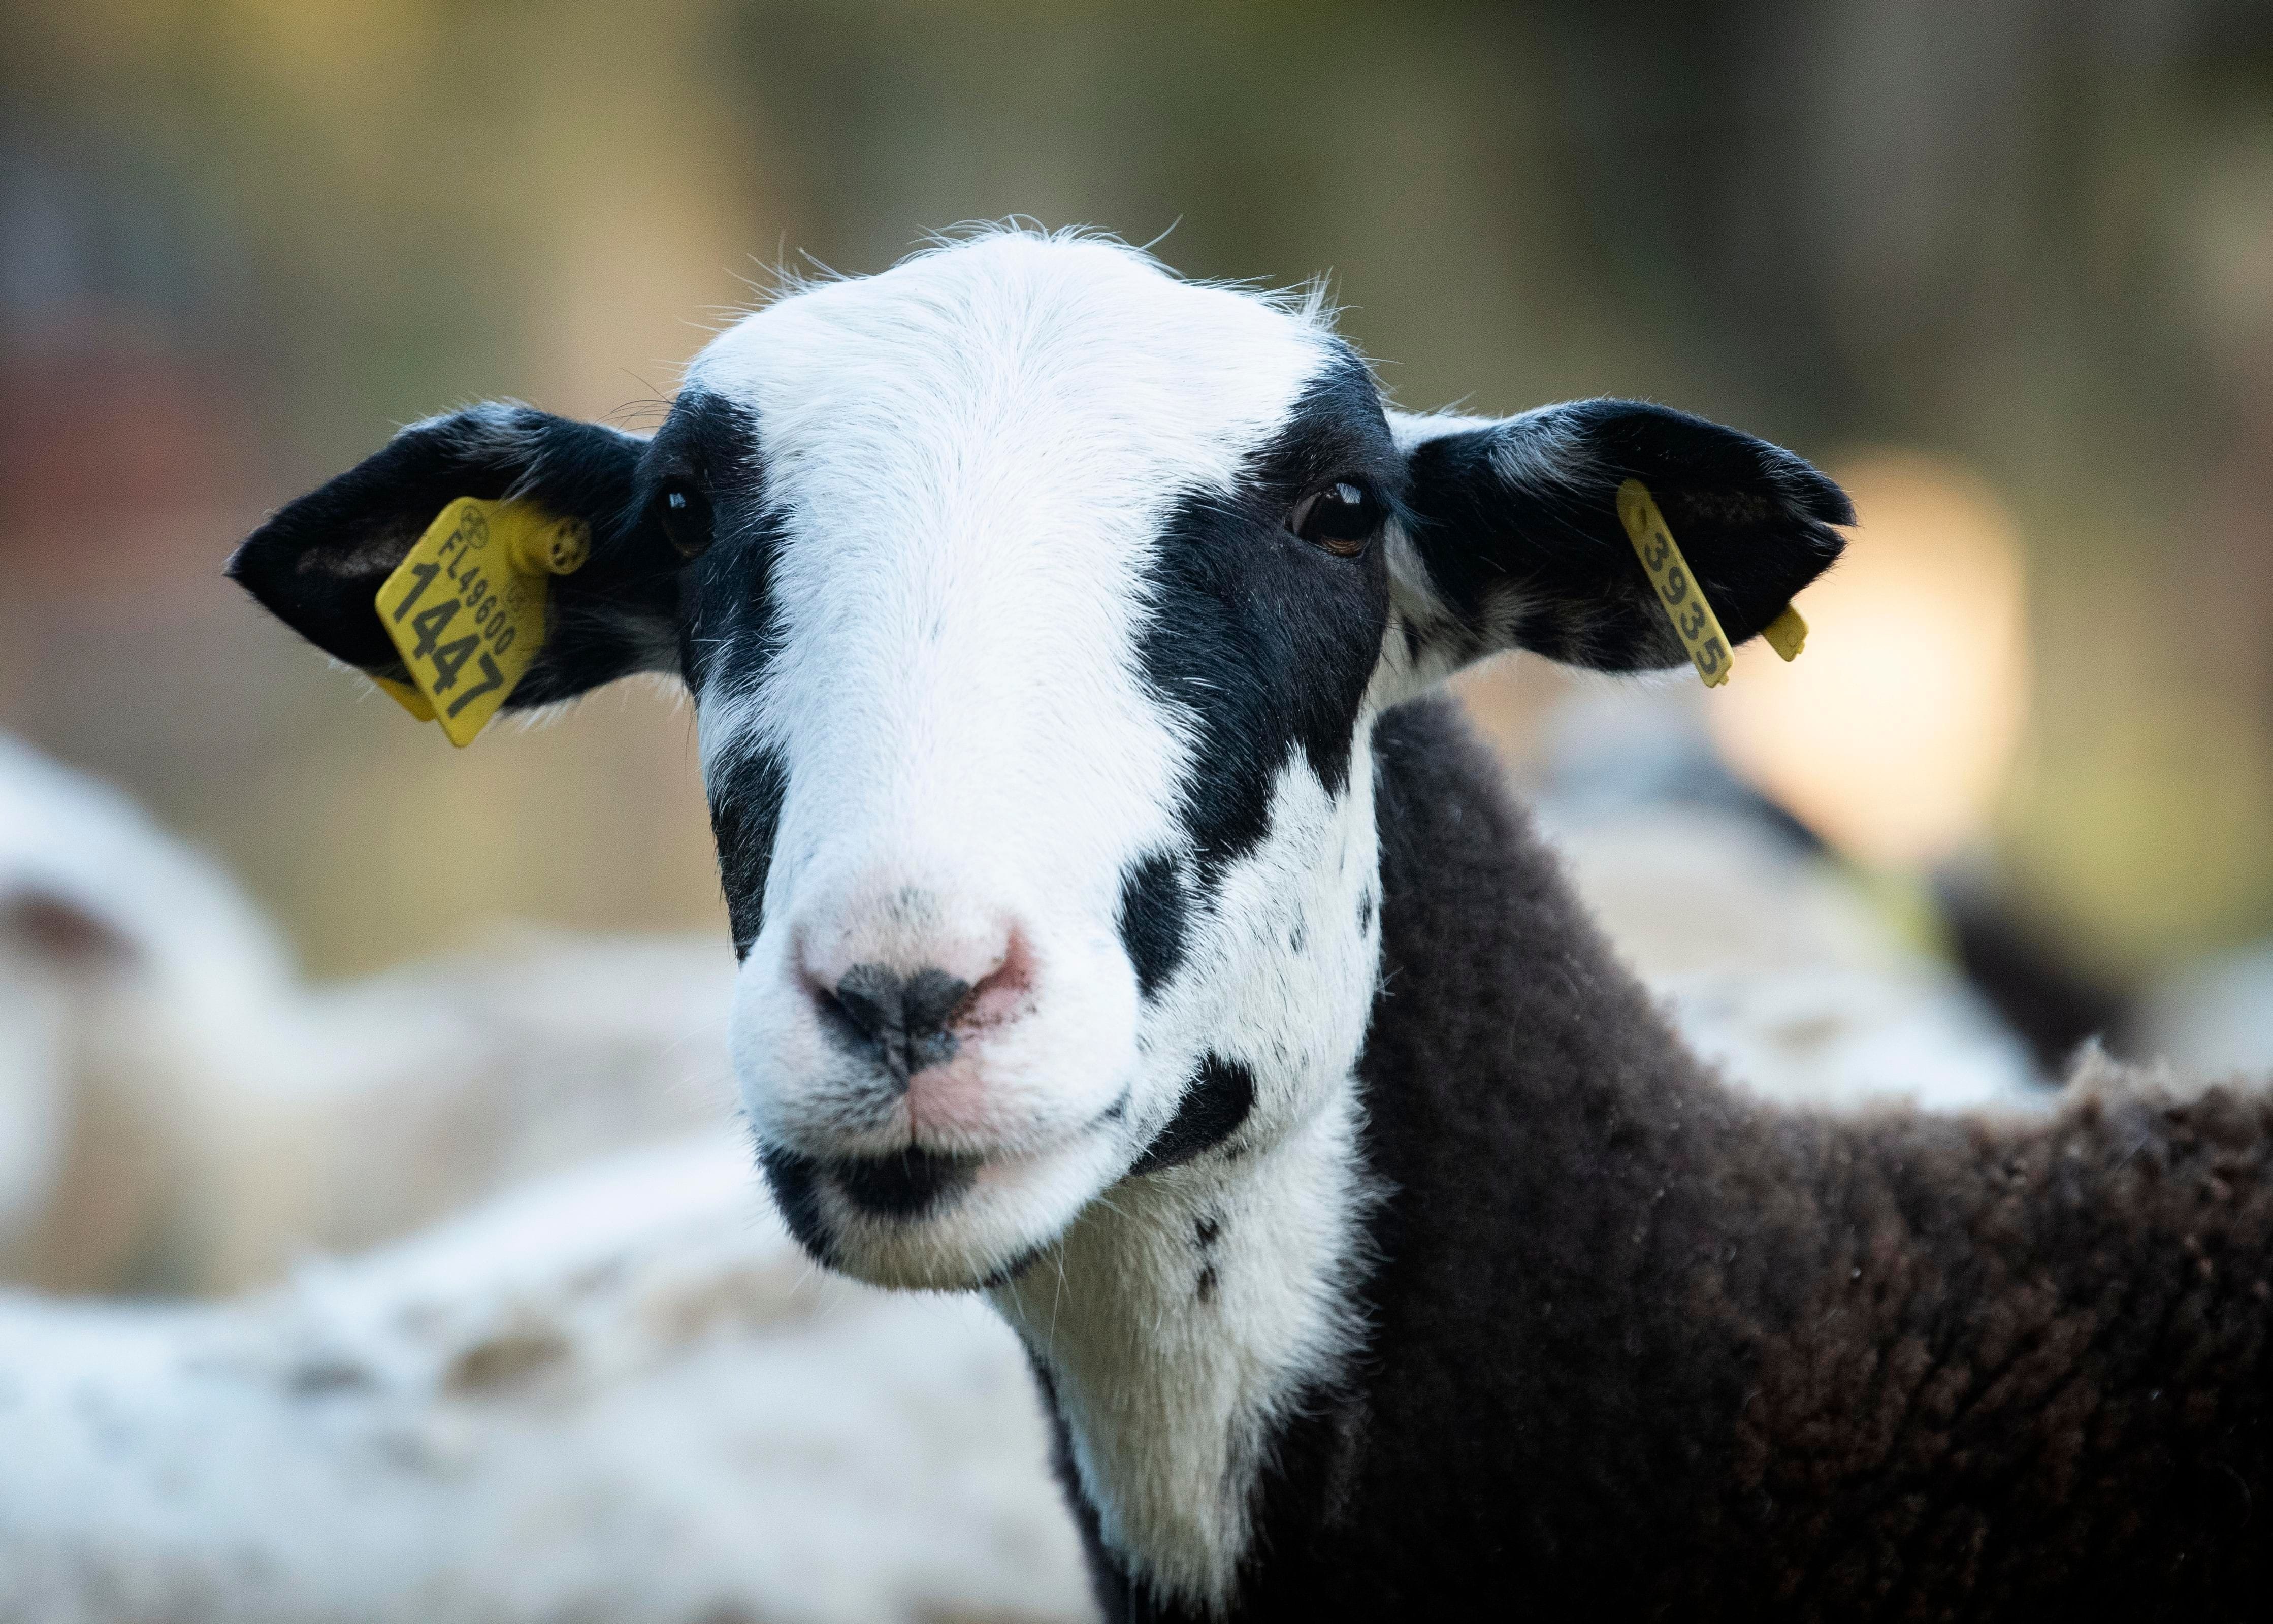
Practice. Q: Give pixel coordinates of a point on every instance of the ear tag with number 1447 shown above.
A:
(466, 608)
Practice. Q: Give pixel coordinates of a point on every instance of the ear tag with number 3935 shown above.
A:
(466, 608)
(1682, 595)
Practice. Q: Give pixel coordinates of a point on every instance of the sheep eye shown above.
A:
(1340, 517)
(684, 512)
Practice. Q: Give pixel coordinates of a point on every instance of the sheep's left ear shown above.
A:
(1511, 537)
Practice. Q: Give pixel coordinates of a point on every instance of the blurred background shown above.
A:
(2007, 266)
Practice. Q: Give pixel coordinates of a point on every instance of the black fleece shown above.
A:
(1640, 1348)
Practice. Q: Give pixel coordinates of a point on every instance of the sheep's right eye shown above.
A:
(1340, 517)
(684, 512)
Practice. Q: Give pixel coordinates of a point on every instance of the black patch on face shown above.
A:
(904, 1186)
(1264, 641)
(1207, 1231)
(1154, 918)
(795, 1181)
(713, 442)
(899, 1020)
(1215, 1102)
(727, 629)
(1207, 1282)
(745, 802)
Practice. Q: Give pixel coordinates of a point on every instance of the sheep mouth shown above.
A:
(901, 1187)
(906, 1186)
(929, 1220)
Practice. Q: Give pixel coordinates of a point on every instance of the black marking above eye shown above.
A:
(684, 511)
(1340, 517)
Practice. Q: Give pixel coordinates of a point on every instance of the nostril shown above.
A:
(903, 1020)
(929, 999)
(1003, 993)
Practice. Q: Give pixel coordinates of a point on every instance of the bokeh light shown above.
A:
(1894, 732)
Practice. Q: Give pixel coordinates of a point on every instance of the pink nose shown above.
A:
(908, 985)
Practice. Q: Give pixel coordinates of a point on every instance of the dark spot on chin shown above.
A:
(794, 1181)
(906, 1186)
(1216, 1100)
(1207, 1231)
(1207, 1284)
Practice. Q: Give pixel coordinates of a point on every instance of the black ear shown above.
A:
(1515, 540)
(317, 563)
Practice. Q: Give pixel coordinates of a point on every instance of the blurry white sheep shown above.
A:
(178, 1112)
(619, 1394)
(1773, 961)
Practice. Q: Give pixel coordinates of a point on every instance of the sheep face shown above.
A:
(1027, 720)
(1036, 605)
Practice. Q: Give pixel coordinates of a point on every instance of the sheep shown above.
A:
(179, 1111)
(1769, 959)
(618, 1393)
(127, 960)
(1128, 934)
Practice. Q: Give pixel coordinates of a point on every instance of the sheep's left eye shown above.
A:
(1340, 517)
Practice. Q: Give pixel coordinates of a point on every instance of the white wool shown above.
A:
(622, 1394)
(213, 1119)
(1777, 970)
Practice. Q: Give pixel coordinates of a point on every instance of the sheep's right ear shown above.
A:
(317, 564)
(1513, 536)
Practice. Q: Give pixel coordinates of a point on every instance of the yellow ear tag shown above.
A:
(1787, 634)
(409, 697)
(466, 608)
(1677, 589)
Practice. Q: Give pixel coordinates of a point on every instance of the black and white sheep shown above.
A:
(1118, 937)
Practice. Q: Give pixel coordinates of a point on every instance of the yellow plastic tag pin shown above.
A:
(1787, 634)
(409, 697)
(466, 606)
(1677, 587)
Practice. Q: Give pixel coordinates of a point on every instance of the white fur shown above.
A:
(1170, 1395)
